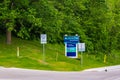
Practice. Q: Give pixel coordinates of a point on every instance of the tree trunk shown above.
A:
(8, 36)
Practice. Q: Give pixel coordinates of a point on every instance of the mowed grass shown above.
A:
(31, 57)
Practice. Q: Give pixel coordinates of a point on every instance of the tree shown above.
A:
(14, 12)
(8, 16)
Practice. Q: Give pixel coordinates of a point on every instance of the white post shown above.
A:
(18, 54)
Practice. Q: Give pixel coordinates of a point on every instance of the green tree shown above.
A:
(8, 16)
(15, 13)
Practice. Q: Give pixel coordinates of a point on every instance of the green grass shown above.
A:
(31, 57)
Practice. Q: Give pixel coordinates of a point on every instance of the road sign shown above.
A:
(71, 50)
(71, 39)
(81, 47)
(43, 41)
(43, 38)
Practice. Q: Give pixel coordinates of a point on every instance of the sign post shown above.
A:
(81, 48)
(44, 52)
(43, 41)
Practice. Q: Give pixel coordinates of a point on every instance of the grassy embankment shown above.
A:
(31, 57)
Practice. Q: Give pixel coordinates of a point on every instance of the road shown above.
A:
(91, 74)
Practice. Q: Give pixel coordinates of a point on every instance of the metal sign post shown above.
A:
(43, 52)
(81, 59)
(43, 41)
(81, 48)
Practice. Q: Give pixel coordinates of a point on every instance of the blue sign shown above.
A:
(71, 39)
(71, 50)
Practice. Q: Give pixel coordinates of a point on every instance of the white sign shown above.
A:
(43, 38)
(81, 47)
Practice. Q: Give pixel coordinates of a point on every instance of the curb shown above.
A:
(108, 68)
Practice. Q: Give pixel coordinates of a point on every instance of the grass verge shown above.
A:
(31, 57)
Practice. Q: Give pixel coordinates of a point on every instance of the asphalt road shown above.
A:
(92, 74)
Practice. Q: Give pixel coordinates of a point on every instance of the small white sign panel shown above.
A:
(81, 47)
(43, 38)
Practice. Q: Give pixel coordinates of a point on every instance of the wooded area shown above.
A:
(97, 22)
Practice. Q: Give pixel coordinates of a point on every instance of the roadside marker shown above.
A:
(18, 54)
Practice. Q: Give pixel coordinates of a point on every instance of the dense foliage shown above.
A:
(97, 22)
